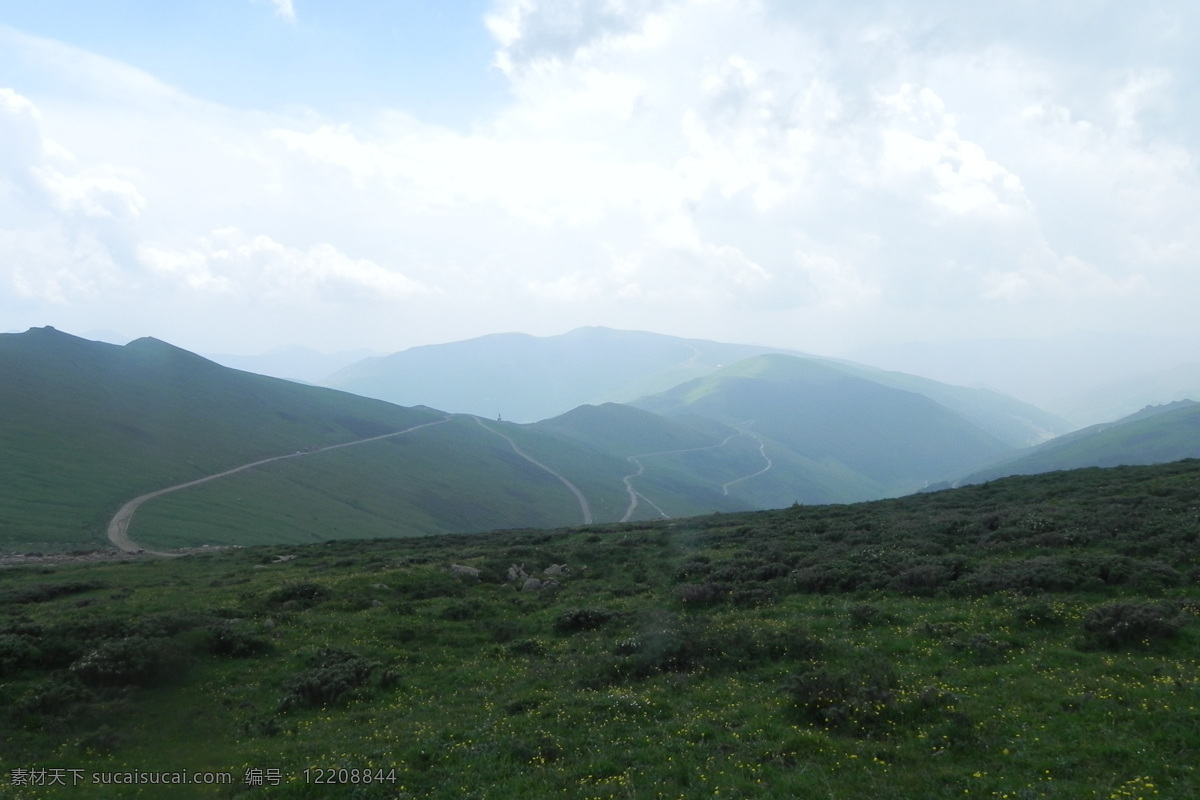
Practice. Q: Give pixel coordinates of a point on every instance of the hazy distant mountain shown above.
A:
(893, 440)
(1118, 398)
(1154, 435)
(527, 378)
(294, 363)
(1012, 421)
(1047, 371)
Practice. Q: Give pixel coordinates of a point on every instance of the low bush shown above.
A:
(17, 652)
(299, 594)
(41, 592)
(333, 674)
(860, 700)
(231, 640)
(133, 661)
(58, 695)
(1115, 626)
(582, 619)
(700, 594)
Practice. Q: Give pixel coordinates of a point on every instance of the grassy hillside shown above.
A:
(689, 464)
(1013, 422)
(453, 477)
(1034, 637)
(88, 426)
(894, 440)
(1154, 435)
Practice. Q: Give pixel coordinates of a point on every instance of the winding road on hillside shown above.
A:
(584, 508)
(634, 495)
(118, 528)
(762, 451)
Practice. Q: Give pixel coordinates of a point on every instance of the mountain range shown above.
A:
(89, 426)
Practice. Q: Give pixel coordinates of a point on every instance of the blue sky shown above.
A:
(234, 175)
(431, 58)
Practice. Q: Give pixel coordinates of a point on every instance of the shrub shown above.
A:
(699, 594)
(860, 701)
(527, 647)
(1118, 625)
(41, 592)
(229, 640)
(299, 594)
(752, 596)
(582, 619)
(133, 661)
(56, 696)
(333, 674)
(698, 565)
(464, 610)
(16, 653)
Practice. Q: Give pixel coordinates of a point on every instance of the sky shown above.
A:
(235, 175)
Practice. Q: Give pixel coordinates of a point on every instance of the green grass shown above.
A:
(1169, 434)
(454, 477)
(937, 646)
(88, 426)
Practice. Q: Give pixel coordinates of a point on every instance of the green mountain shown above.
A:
(1012, 421)
(1154, 435)
(891, 440)
(88, 426)
(690, 461)
(527, 378)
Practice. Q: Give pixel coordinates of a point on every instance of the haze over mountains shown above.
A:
(1154, 435)
(528, 378)
(707, 427)
(1085, 378)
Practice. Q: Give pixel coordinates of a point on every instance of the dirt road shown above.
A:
(118, 527)
(635, 496)
(584, 508)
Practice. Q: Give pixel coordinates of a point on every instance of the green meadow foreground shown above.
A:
(1032, 637)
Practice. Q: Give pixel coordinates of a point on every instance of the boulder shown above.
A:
(516, 573)
(558, 570)
(531, 585)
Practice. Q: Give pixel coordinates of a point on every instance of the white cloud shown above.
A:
(47, 265)
(284, 9)
(248, 268)
(665, 163)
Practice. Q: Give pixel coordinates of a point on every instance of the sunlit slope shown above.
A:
(1155, 435)
(891, 439)
(455, 477)
(527, 378)
(87, 426)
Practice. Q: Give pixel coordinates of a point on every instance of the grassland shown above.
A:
(1033, 637)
